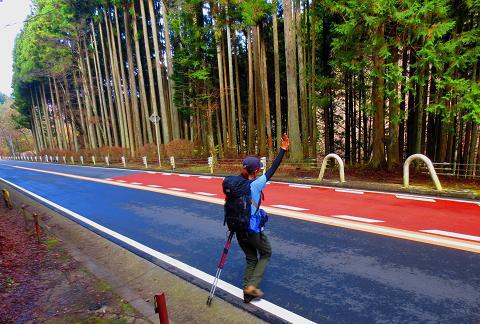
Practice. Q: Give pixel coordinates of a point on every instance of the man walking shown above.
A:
(254, 242)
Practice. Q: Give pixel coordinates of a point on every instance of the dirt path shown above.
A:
(42, 282)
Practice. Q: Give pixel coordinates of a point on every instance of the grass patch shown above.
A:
(51, 243)
(198, 168)
(102, 286)
(126, 307)
(9, 283)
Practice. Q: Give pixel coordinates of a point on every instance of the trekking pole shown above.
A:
(223, 258)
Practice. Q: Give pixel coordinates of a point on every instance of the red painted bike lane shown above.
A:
(456, 219)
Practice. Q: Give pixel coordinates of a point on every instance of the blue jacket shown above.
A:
(256, 188)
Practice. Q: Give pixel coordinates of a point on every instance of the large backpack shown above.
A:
(237, 203)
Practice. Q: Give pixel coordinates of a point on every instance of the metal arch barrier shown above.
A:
(340, 164)
(431, 169)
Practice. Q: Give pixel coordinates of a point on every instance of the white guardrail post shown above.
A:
(144, 159)
(72, 159)
(81, 159)
(124, 162)
(210, 163)
(431, 170)
(107, 161)
(264, 164)
(172, 162)
(340, 165)
(93, 159)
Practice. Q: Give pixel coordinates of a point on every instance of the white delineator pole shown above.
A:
(264, 163)
(154, 118)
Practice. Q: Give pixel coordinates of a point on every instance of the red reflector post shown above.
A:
(161, 308)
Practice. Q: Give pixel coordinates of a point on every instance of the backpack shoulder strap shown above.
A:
(259, 201)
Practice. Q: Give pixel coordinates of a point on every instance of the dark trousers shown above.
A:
(257, 251)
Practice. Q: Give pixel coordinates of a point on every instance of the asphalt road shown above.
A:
(321, 272)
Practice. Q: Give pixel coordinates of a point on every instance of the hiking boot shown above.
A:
(253, 291)
(247, 298)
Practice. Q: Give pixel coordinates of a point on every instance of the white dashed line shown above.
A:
(299, 186)
(121, 181)
(357, 192)
(176, 189)
(453, 234)
(205, 193)
(136, 183)
(205, 177)
(154, 186)
(289, 207)
(415, 198)
(359, 219)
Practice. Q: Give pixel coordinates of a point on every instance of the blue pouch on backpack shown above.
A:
(257, 221)
(263, 218)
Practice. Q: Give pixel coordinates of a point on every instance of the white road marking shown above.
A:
(299, 186)
(136, 183)
(467, 201)
(453, 234)
(359, 219)
(289, 207)
(415, 198)
(205, 177)
(225, 286)
(205, 193)
(176, 189)
(120, 180)
(109, 179)
(326, 220)
(357, 192)
(184, 175)
(151, 172)
(388, 193)
(154, 186)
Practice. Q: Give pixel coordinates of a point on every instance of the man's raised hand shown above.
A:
(285, 142)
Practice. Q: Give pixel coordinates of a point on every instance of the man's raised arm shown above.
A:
(276, 163)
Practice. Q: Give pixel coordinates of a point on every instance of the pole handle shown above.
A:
(223, 258)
